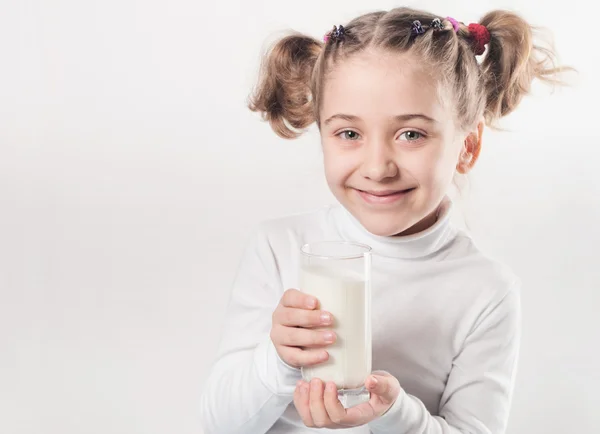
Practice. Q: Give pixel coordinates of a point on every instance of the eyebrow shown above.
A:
(402, 118)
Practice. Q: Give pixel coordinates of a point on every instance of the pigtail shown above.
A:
(283, 93)
(512, 62)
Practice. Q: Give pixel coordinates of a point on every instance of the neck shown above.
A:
(425, 238)
(422, 225)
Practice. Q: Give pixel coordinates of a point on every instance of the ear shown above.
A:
(471, 149)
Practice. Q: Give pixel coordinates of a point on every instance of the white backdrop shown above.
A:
(131, 174)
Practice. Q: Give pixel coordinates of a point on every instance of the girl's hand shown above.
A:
(292, 331)
(319, 406)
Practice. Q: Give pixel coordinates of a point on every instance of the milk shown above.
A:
(347, 296)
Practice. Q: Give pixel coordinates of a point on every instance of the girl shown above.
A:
(400, 99)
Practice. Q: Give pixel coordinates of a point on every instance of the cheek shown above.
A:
(339, 166)
(436, 168)
(444, 169)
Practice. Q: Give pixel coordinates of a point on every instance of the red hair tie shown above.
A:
(481, 37)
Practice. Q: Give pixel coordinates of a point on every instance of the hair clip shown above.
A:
(481, 36)
(436, 24)
(417, 28)
(455, 24)
(337, 34)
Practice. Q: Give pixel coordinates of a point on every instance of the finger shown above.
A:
(384, 385)
(359, 414)
(299, 300)
(298, 357)
(299, 337)
(317, 406)
(301, 395)
(333, 406)
(293, 317)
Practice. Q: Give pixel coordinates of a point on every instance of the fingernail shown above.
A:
(329, 337)
(311, 303)
(324, 356)
(325, 318)
(332, 387)
(374, 382)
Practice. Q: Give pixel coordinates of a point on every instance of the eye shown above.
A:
(411, 136)
(349, 135)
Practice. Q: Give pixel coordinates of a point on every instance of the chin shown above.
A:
(383, 226)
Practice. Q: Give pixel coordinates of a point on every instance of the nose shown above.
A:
(378, 161)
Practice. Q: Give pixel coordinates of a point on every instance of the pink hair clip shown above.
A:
(455, 23)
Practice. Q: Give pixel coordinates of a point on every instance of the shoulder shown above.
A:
(301, 227)
(277, 242)
(490, 276)
(489, 289)
(280, 239)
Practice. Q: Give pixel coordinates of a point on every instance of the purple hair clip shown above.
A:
(337, 34)
(417, 28)
(436, 24)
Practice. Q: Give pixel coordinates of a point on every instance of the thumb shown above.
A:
(384, 385)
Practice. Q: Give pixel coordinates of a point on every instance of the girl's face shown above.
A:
(390, 146)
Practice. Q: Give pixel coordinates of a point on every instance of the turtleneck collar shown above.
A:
(413, 246)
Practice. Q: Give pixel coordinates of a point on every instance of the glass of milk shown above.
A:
(338, 274)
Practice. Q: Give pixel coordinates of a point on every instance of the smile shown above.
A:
(383, 197)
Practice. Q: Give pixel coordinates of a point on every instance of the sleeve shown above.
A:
(478, 392)
(249, 386)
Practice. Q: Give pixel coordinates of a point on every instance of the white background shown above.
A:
(131, 174)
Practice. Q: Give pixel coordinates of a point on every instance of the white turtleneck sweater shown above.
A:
(446, 324)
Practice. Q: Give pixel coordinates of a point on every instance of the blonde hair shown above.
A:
(288, 94)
